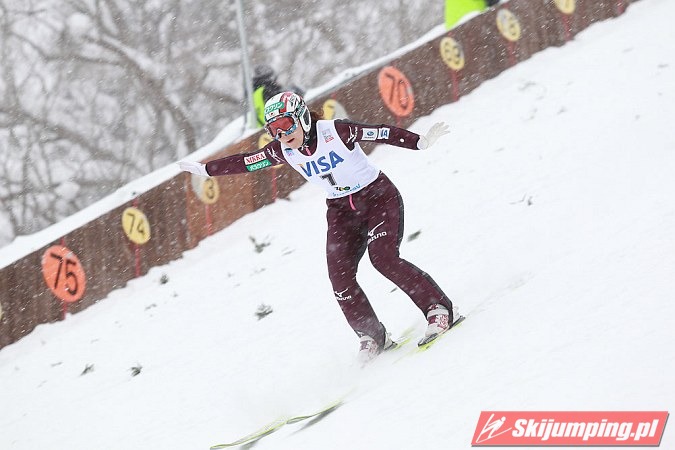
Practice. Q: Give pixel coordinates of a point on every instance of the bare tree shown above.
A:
(99, 92)
(96, 93)
(311, 41)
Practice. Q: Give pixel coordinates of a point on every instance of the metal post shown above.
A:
(251, 120)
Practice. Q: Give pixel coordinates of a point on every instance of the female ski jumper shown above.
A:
(364, 211)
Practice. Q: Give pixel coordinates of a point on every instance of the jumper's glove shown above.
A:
(193, 167)
(437, 130)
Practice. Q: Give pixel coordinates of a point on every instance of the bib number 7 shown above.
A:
(329, 177)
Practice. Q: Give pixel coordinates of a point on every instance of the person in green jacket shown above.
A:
(265, 86)
(455, 10)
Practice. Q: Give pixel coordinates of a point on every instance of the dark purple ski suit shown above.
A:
(371, 218)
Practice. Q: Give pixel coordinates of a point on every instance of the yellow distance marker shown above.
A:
(508, 25)
(452, 53)
(136, 225)
(206, 189)
(332, 109)
(210, 191)
(264, 139)
(566, 6)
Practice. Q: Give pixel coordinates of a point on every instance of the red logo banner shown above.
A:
(570, 428)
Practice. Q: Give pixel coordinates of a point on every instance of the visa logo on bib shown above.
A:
(321, 165)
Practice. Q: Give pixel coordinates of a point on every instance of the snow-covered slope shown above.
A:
(547, 215)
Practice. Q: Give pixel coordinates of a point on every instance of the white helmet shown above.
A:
(286, 104)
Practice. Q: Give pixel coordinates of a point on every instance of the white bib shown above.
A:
(333, 166)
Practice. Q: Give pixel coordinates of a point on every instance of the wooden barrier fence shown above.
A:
(157, 226)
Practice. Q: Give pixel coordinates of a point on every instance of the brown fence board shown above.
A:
(179, 219)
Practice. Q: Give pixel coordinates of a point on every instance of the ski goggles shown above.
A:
(282, 126)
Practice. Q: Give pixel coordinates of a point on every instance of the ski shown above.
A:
(428, 341)
(279, 423)
(402, 340)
